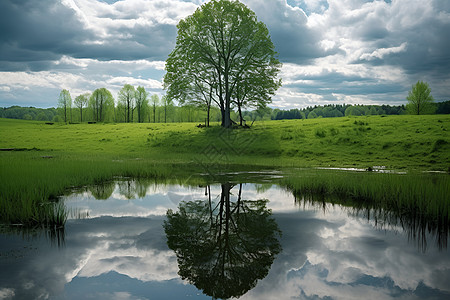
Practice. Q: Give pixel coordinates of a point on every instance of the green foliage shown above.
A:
(126, 98)
(420, 100)
(339, 110)
(17, 112)
(222, 55)
(81, 102)
(141, 103)
(65, 105)
(102, 105)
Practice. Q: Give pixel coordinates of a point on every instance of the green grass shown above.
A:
(411, 142)
(417, 202)
(53, 158)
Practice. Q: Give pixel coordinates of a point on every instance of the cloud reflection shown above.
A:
(326, 253)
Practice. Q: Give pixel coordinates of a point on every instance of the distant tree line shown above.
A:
(158, 111)
(341, 110)
(28, 113)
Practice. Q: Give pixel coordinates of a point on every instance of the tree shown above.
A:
(141, 103)
(101, 102)
(353, 111)
(154, 101)
(126, 97)
(420, 100)
(221, 47)
(65, 103)
(167, 102)
(255, 89)
(80, 102)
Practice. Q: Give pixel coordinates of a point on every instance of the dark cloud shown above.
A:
(34, 33)
(354, 48)
(294, 41)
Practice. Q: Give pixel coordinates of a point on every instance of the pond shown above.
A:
(144, 239)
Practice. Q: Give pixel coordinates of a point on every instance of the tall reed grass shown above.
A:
(31, 184)
(418, 202)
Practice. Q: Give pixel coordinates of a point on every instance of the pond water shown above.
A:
(145, 240)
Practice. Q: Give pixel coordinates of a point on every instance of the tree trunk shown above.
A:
(227, 121)
(139, 113)
(240, 114)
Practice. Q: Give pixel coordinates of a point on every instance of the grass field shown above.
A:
(48, 159)
(412, 142)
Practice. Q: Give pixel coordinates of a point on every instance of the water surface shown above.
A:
(115, 246)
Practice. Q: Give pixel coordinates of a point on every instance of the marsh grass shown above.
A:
(417, 202)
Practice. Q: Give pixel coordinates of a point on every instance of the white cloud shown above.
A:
(6, 293)
(120, 81)
(101, 17)
(380, 53)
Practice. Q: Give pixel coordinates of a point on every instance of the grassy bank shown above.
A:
(44, 160)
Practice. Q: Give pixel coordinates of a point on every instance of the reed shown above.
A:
(418, 202)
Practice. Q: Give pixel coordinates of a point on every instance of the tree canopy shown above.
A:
(224, 55)
(102, 103)
(420, 100)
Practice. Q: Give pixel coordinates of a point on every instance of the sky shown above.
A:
(333, 51)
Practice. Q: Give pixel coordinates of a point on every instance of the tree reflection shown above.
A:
(102, 191)
(130, 188)
(223, 248)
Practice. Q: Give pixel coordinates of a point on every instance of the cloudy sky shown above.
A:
(333, 51)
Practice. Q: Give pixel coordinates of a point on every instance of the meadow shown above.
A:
(39, 161)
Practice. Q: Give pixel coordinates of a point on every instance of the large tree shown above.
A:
(219, 48)
(81, 101)
(127, 98)
(420, 100)
(65, 104)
